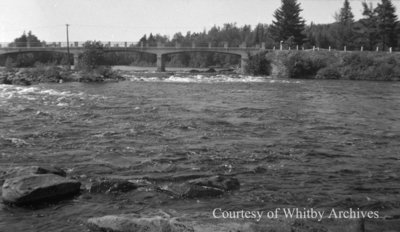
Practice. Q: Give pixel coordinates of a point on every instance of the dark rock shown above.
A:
(197, 191)
(202, 187)
(220, 182)
(226, 71)
(186, 190)
(49, 170)
(131, 222)
(211, 70)
(194, 71)
(31, 189)
(112, 185)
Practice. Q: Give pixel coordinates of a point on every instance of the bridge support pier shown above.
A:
(76, 61)
(160, 63)
(243, 63)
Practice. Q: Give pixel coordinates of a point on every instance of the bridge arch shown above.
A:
(161, 56)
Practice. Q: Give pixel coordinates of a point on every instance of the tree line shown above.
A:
(379, 28)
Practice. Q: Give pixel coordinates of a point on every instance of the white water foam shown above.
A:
(8, 90)
(211, 79)
(56, 97)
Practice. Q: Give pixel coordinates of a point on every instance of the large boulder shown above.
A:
(186, 190)
(202, 187)
(32, 189)
(131, 222)
(220, 182)
(112, 186)
(196, 191)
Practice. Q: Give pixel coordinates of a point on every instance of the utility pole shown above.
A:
(69, 64)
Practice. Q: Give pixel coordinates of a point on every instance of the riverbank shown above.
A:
(372, 66)
(55, 74)
(58, 74)
(335, 65)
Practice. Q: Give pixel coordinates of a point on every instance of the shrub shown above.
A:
(46, 73)
(305, 64)
(371, 66)
(99, 74)
(330, 72)
(9, 64)
(258, 64)
(93, 56)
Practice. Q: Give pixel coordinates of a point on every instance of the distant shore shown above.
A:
(371, 66)
(60, 74)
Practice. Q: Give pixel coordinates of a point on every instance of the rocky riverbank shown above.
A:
(44, 186)
(55, 74)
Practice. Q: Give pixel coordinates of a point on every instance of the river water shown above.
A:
(290, 143)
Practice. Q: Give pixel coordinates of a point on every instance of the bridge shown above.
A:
(159, 50)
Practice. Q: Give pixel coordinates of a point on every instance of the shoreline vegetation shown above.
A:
(327, 65)
(371, 66)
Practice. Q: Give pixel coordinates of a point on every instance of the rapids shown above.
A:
(291, 143)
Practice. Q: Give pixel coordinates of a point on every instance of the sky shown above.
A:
(129, 20)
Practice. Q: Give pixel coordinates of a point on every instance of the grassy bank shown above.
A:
(335, 65)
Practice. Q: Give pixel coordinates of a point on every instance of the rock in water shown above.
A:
(185, 190)
(196, 191)
(31, 189)
(109, 186)
(224, 183)
(130, 222)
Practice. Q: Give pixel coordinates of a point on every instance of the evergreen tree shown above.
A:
(143, 40)
(387, 23)
(259, 34)
(288, 22)
(151, 41)
(368, 24)
(345, 15)
(23, 40)
(344, 27)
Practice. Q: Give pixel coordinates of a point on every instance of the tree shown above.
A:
(25, 40)
(344, 27)
(143, 40)
(368, 27)
(387, 23)
(345, 15)
(288, 22)
(151, 41)
(93, 55)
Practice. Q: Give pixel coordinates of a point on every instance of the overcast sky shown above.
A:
(128, 20)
